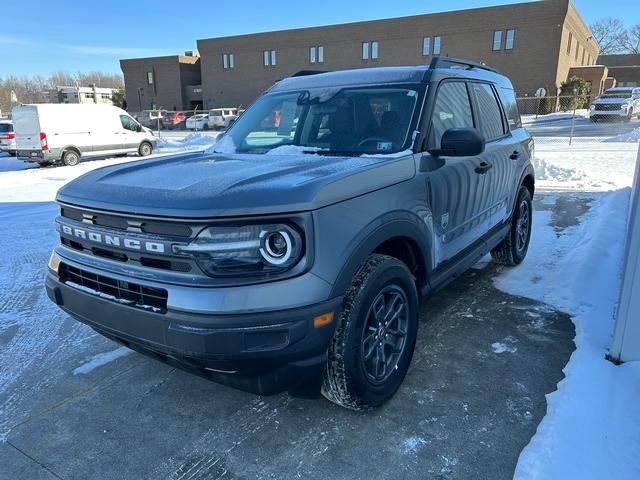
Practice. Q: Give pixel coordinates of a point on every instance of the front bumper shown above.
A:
(263, 353)
(609, 114)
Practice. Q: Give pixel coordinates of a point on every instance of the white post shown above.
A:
(625, 345)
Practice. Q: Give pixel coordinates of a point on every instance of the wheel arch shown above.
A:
(405, 237)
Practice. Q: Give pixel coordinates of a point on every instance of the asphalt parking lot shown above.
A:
(70, 409)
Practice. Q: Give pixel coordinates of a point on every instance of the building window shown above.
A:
(316, 54)
(374, 50)
(269, 57)
(320, 54)
(227, 60)
(150, 78)
(312, 55)
(569, 43)
(365, 50)
(584, 52)
(589, 60)
(511, 37)
(497, 40)
(436, 45)
(577, 51)
(426, 46)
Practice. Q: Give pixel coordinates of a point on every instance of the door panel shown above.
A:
(457, 191)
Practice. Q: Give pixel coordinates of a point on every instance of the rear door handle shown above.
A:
(514, 155)
(483, 168)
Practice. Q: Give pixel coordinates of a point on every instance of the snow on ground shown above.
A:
(191, 142)
(632, 136)
(101, 359)
(587, 165)
(529, 119)
(592, 426)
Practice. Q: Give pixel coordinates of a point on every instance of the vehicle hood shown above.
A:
(609, 101)
(202, 185)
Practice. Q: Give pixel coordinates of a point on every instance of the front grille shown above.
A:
(607, 107)
(123, 292)
(157, 227)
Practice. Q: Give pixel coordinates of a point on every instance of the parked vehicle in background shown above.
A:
(173, 120)
(620, 103)
(295, 257)
(7, 137)
(149, 118)
(222, 117)
(199, 121)
(48, 133)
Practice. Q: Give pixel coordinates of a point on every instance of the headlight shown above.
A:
(592, 107)
(245, 250)
(624, 106)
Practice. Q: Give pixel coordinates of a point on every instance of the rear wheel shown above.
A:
(145, 149)
(71, 158)
(375, 336)
(512, 250)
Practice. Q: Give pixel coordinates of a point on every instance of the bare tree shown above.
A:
(610, 34)
(35, 89)
(632, 44)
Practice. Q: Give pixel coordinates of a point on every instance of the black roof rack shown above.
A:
(304, 73)
(447, 62)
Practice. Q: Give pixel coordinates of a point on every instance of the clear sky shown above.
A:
(41, 36)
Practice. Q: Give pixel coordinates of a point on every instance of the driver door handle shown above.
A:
(514, 155)
(483, 168)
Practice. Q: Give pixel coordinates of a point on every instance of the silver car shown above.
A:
(7, 137)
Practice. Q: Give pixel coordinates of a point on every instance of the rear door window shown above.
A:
(6, 127)
(508, 97)
(452, 109)
(489, 112)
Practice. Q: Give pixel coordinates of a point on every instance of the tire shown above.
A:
(628, 118)
(349, 379)
(205, 127)
(71, 158)
(145, 149)
(513, 249)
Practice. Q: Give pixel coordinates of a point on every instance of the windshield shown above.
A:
(349, 121)
(617, 94)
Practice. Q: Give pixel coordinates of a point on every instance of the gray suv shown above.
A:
(295, 254)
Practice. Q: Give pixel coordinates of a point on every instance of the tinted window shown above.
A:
(451, 110)
(128, 123)
(508, 97)
(489, 114)
(6, 127)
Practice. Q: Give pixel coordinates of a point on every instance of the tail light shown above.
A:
(8, 136)
(43, 141)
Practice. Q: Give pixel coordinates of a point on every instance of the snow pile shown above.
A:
(224, 145)
(192, 142)
(592, 426)
(632, 137)
(587, 166)
(528, 119)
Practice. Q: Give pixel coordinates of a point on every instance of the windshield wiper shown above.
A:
(339, 153)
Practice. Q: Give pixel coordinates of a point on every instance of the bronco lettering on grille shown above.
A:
(113, 240)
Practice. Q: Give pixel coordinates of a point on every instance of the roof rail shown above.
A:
(304, 73)
(447, 62)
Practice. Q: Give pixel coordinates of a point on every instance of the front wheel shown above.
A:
(513, 249)
(375, 335)
(629, 115)
(145, 149)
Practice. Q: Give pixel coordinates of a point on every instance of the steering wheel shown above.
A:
(373, 139)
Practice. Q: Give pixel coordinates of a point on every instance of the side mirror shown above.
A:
(460, 142)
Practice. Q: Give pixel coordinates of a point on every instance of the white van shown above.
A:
(48, 133)
(222, 117)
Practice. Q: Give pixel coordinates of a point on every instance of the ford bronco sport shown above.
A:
(293, 256)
